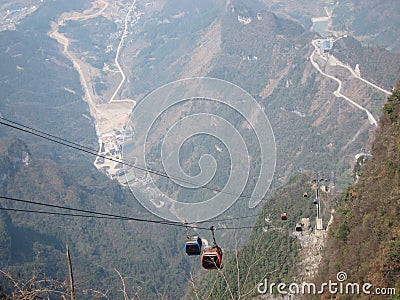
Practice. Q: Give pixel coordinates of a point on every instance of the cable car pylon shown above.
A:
(319, 224)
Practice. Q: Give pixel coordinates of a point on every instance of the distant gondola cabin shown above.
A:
(283, 216)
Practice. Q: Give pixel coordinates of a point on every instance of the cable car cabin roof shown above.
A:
(211, 258)
(193, 246)
(284, 216)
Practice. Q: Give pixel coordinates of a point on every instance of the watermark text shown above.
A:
(333, 287)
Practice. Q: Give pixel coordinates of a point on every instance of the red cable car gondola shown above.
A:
(283, 216)
(211, 258)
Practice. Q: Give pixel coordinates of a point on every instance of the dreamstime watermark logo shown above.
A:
(182, 119)
(332, 287)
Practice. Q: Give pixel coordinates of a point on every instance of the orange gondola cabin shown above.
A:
(284, 216)
(211, 258)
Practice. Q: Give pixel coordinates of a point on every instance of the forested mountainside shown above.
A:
(40, 87)
(365, 21)
(373, 22)
(269, 57)
(352, 52)
(364, 240)
(265, 54)
(272, 251)
(33, 245)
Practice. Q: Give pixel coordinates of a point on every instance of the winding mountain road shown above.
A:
(120, 45)
(337, 92)
(334, 61)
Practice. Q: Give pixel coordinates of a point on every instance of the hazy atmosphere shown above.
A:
(210, 149)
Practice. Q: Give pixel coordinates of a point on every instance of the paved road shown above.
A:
(120, 45)
(334, 61)
(337, 93)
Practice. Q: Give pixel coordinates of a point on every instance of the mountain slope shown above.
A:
(40, 87)
(364, 240)
(33, 244)
(272, 251)
(366, 21)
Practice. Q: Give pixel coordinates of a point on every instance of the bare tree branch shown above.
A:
(100, 293)
(194, 286)
(123, 285)
(227, 283)
(237, 265)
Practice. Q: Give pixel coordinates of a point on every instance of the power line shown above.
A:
(120, 218)
(76, 146)
(79, 147)
(94, 213)
(57, 213)
(45, 133)
(230, 218)
(101, 215)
